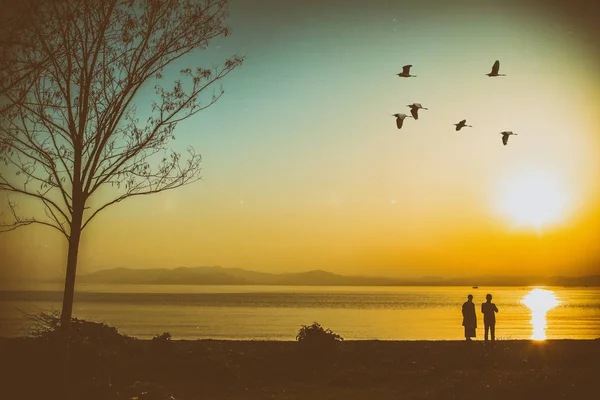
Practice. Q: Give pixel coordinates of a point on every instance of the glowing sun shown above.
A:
(532, 199)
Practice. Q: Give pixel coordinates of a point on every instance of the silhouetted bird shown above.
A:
(505, 136)
(406, 72)
(414, 109)
(495, 69)
(400, 119)
(462, 124)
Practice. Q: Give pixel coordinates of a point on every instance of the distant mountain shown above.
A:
(238, 276)
(227, 276)
(177, 276)
(574, 281)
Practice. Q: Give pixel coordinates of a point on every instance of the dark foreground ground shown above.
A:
(207, 369)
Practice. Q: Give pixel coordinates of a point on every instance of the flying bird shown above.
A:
(400, 119)
(462, 124)
(406, 72)
(505, 136)
(414, 109)
(495, 69)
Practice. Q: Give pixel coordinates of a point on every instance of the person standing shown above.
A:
(489, 311)
(469, 318)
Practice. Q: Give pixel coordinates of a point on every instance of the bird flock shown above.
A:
(415, 107)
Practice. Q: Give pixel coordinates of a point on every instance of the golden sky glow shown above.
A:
(304, 167)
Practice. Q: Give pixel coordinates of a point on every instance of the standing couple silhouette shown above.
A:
(489, 311)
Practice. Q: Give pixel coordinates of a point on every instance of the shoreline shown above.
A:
(341, 343)
(359, 369)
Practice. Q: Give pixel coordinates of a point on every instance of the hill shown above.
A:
(237, 276)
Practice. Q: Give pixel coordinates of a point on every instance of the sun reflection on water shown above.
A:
(539, 301)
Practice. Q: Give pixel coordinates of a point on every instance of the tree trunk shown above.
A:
(74, 237)
(68, 296)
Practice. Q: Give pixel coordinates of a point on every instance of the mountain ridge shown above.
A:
(216, 275)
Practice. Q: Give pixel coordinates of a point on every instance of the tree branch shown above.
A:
(20, 222)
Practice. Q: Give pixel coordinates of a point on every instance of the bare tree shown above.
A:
(73, 86)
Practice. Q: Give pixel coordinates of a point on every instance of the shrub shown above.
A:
(163, 337)
(94, 348)
(315, 338)
(46, 325)
(162, 345)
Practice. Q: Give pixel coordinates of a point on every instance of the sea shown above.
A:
(278, 312)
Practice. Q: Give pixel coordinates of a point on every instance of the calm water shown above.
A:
(277, 312)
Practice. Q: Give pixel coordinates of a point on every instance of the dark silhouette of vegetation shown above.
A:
(163, 337)
(46, 325)
(86, 116)
(96, 350)
(93, 348)
(315, 339)
(162, 345)
(89, 342)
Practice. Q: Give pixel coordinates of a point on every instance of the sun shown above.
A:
(532, 199)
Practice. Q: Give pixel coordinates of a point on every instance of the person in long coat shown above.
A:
(469, 318)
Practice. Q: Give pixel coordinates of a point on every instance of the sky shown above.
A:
(304, 168)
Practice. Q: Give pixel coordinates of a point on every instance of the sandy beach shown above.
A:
(210, 369)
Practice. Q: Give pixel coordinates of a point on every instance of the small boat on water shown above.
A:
(475, 287)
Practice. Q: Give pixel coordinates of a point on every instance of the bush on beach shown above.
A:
(95, 352)
(162, 345)
(46, 325)
(314, 338)
(163, 337)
